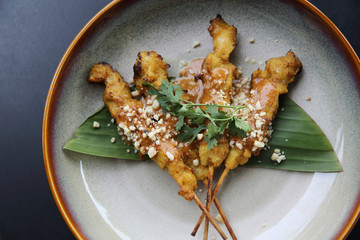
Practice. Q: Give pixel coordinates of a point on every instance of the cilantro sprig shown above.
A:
(207, 118)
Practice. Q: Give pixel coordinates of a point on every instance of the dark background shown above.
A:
(33, 37)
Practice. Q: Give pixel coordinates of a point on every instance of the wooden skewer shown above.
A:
(211, 219)
(208, 200)
(216, 189)
(226, 221)
(223, 216)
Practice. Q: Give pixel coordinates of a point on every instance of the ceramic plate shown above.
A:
(116, 199)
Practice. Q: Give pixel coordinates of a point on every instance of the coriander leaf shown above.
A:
(188, 134)
(220, 115)
(169, 97)
(238, 127)
(153, 91)
(175, 108)
(222, 127)
(213, 130)
(172, 91)
(184, 110)
(180, 123)
(164, 103)
(198, 115)
(212, 143)
(212, 108)
(239, 123)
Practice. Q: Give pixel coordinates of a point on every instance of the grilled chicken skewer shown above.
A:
(217, 75)
(262, 100)
(142, 122)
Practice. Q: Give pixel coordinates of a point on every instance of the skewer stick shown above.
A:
(226, 221)
(223, 216)
(216, 189)
(208, 200)
(211, 219)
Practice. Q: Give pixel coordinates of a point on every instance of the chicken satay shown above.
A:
(193, 89)
(144, 125)
(149, 67)
(217, 74)
(262, 101)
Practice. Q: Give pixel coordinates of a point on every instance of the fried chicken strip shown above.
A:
(217, 75)
(149, 67)
(262, 101)
(142, 121)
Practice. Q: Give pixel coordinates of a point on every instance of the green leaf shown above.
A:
(212, 108)
(188, 134)
(213, 130)
(304, 144)
(212, 143)
(97, 141)
(238, 127)
(172, 91)
(180, 123)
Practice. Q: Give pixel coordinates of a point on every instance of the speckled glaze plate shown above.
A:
(103, 198)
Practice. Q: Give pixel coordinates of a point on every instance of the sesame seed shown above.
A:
(196, 44)
(239, 145)
(113, 140)
(170, 156)
(152, 152)
(126, 108)
(96, 124)
(149, 109)
(156, 104)
(219, 218)
(152, 136)
(196, 162)
(135, 93)
(281, 158)
(274, 157)
(259, 144)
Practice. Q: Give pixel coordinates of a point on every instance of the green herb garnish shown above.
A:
(217, 120)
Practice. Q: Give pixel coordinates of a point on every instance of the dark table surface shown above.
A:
(33, 37)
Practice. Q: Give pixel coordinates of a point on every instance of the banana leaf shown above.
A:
(301, 140)
(97, 141)
(295, 134)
